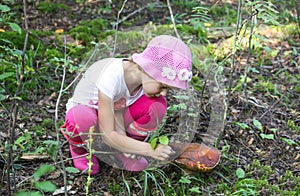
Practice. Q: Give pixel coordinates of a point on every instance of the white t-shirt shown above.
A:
(106, 75)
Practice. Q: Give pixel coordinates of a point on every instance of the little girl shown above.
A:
(124, 101)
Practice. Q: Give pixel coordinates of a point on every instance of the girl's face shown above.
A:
(153, 88)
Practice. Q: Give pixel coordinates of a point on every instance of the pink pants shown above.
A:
(139, 118)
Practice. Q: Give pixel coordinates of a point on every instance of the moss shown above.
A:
(47, 123)
(183, 30)
(88, 31)
(17, 40)
(51, 53)
(43, 33)
(127, 41)
(46, 6)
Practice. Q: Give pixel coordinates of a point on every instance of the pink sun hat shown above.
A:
(168, 60)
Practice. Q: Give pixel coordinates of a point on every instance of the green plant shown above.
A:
(292, 126)
(89, 31)
(223, 15)
(6, 16)
(185, 4)
(265, 11)
(89, 158)
(254, 181)
(156, 137)
(46, 6)
(11, 58)
(43, 186)
(188, 187)
(198, 21)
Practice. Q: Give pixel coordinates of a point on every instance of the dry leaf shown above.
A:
(251, 141)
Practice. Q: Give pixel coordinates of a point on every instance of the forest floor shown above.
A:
(273, 100)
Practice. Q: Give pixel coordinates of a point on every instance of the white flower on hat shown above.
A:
(185, 75)
(168, 73)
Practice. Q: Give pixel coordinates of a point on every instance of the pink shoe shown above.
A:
(133, 164)
(81, 163)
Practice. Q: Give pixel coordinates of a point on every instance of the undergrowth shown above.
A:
(48, 53)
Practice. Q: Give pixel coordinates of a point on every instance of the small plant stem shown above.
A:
(172, 18)
(89, 157)
(253, 14)
(237, 30)
(15, 109)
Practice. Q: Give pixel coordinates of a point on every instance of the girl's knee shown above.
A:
(149, 112)
(80, 119)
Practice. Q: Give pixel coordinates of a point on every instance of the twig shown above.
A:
(129, 15)
(269, 109)
(172, 18)
(15, 109)
(63, 169)
(117, 26)
(81, 70)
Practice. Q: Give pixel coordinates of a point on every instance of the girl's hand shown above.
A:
(131, 156)
(162, 152)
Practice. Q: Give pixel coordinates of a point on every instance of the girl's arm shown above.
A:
(121, 142)
(119, 122)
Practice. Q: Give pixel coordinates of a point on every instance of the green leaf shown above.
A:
(72, 170)
(267, 136)
(163, 140)
(6, 41)
(28, 193)
(192, 114)
(15, 27)
(182, 106)
(4, 8)
(195, 190)
(43, 170)
(2, 97)
(45, 186)
(288, 141)
(183, 97)
(297, 89)
(240, 173)
(51, 142)
(242, 125)
(6, 75)
(153, 143)
(21, 140)
(184, 180)
(258, 124)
